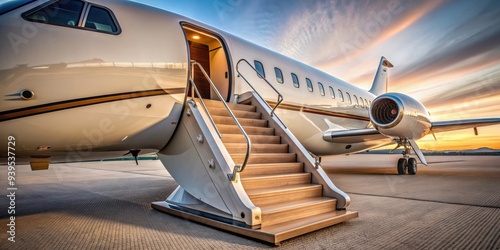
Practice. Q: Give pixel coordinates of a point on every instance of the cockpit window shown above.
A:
(7, 6)
(69, 13)
(100, 19)
(64, 13)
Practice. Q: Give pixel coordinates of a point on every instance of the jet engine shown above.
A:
(400, 117)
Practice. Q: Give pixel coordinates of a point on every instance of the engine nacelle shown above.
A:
(400, 117)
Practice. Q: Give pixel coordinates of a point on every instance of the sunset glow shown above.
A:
(446, 53)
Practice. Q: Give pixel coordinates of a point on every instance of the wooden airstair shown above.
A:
(278, 192)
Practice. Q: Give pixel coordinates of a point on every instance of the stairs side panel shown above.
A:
(211, 161)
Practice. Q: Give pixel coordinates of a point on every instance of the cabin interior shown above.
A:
(210, 52)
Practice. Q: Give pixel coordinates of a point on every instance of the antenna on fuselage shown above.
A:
(134, 153)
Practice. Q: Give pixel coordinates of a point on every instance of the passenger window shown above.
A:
(260, 68)
(332, 92)
(295, 80)
(64, 13)
(279, 75)
(101, 19)
(321, 89)
(348, 97)
(356, 99)
(341, 96)
(361, 101)
(309, 85)
(366, 104)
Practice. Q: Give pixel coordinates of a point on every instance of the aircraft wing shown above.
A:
(438, 127)
(353, 135)
(371, 134)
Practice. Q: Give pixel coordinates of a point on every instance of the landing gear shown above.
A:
(406, 163)
(402, 166)
(412, 166)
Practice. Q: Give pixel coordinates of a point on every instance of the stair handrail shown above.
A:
(238, 168)
(204, 106)
(280, 96)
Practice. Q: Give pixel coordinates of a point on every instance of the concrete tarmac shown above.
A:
(454, 203)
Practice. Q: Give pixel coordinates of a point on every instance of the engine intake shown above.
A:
(385, 112)
(399, 116)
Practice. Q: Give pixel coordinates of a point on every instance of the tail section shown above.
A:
(381, 80)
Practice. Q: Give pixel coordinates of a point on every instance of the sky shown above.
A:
(446, 53)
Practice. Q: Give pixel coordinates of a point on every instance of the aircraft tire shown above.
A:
(402, 164)
(412, 166)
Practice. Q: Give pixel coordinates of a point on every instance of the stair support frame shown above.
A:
(217, 166)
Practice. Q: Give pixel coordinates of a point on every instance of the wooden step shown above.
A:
(240, 148)
(233, 129)
(232, 106)
(265, 196)
(268, 181)
(272, 169)
(243, 121)
(270, 233)
(237, 113)
(294, 210)
(260, 158)
(290, 229)
(255, 139)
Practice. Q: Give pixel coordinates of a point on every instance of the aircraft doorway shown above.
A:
(210, 52)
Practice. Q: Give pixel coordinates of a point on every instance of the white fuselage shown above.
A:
(100, 95)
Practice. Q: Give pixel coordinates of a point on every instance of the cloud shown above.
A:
(410, 18)
(446, 53)
(364, 31)
(482, 42)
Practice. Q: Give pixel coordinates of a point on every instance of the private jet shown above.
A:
(239, 127)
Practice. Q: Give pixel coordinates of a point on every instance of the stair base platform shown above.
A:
(272, 234)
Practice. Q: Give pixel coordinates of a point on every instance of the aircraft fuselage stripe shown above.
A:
(319, 111)
(82, 102)
(76, 103)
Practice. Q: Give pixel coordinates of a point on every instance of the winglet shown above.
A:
(381, 80)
